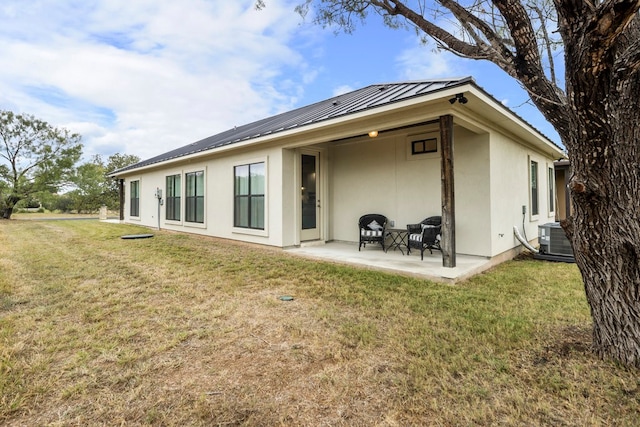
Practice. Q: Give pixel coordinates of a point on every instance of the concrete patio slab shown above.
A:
(373, 257)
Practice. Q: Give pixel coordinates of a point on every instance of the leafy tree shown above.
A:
(58, 202)
(90, 186)
(55, 202)
(32, 202)
(115, 162)
(93, 188)
(34, 156)
(595, 113)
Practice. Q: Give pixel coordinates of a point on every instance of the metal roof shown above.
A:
(367, 98)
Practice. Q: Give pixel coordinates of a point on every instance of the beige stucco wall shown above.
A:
(289, 205)
(372, 175)
(510, 183)
(491, 186)
(472, 192)
(379, 175)
(219, 200)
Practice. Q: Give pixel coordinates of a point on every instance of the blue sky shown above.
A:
(144, 77)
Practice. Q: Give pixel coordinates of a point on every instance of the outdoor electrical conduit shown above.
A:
(523, 241)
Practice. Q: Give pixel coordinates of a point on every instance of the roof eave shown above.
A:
(464, 85)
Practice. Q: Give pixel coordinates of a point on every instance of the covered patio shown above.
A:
(393, 261)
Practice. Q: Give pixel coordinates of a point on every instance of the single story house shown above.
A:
(405, 150)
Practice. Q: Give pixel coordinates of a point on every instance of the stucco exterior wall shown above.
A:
(219, 197)
(472, 169)
(510, 190)
(290, 214)
(492, 183)
(372, 175)
(380, 175)
(350, 163)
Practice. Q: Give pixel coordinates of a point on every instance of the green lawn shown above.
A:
(188, 330)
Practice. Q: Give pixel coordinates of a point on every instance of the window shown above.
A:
(249, 196)
(194, 197)
(135, 198)
(173, 198)
(534, 188)
(552, 196)
(423, 146)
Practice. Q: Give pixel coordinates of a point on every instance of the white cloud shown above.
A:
(147, 76)
(422, 60)
(342, 90)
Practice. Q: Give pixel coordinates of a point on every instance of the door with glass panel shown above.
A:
(310, 196)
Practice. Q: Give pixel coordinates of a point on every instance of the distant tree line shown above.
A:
(88, 189)
(38, 169)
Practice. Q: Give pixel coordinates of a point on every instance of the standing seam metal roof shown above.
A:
(338, 106)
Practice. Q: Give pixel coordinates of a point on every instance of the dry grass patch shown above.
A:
(187, 330)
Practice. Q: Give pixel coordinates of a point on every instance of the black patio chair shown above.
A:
(371, 228)
(424, 235)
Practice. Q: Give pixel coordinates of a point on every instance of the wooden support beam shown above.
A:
(448, 233)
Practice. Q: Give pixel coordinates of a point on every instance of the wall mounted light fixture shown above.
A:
(373, 133)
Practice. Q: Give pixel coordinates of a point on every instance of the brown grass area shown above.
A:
(187, 330)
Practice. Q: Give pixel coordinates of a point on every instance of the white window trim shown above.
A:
(551, 186)
(533, 217)
(164, 210)
(128, 198)
(252, 231)
(183, 198)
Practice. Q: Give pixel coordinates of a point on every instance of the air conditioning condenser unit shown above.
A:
(554, 245)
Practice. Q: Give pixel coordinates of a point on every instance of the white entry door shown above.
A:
(310, 196)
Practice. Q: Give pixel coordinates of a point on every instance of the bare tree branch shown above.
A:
(546, 40)
(438, 33)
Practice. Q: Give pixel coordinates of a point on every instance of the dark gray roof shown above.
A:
(338, 106)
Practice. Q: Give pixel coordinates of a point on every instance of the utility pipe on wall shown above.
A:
(160, 203)
(523, 241)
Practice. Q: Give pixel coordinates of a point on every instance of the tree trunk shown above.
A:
(6, 213)
(10, 203)
(606, 243)
(603, 144)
